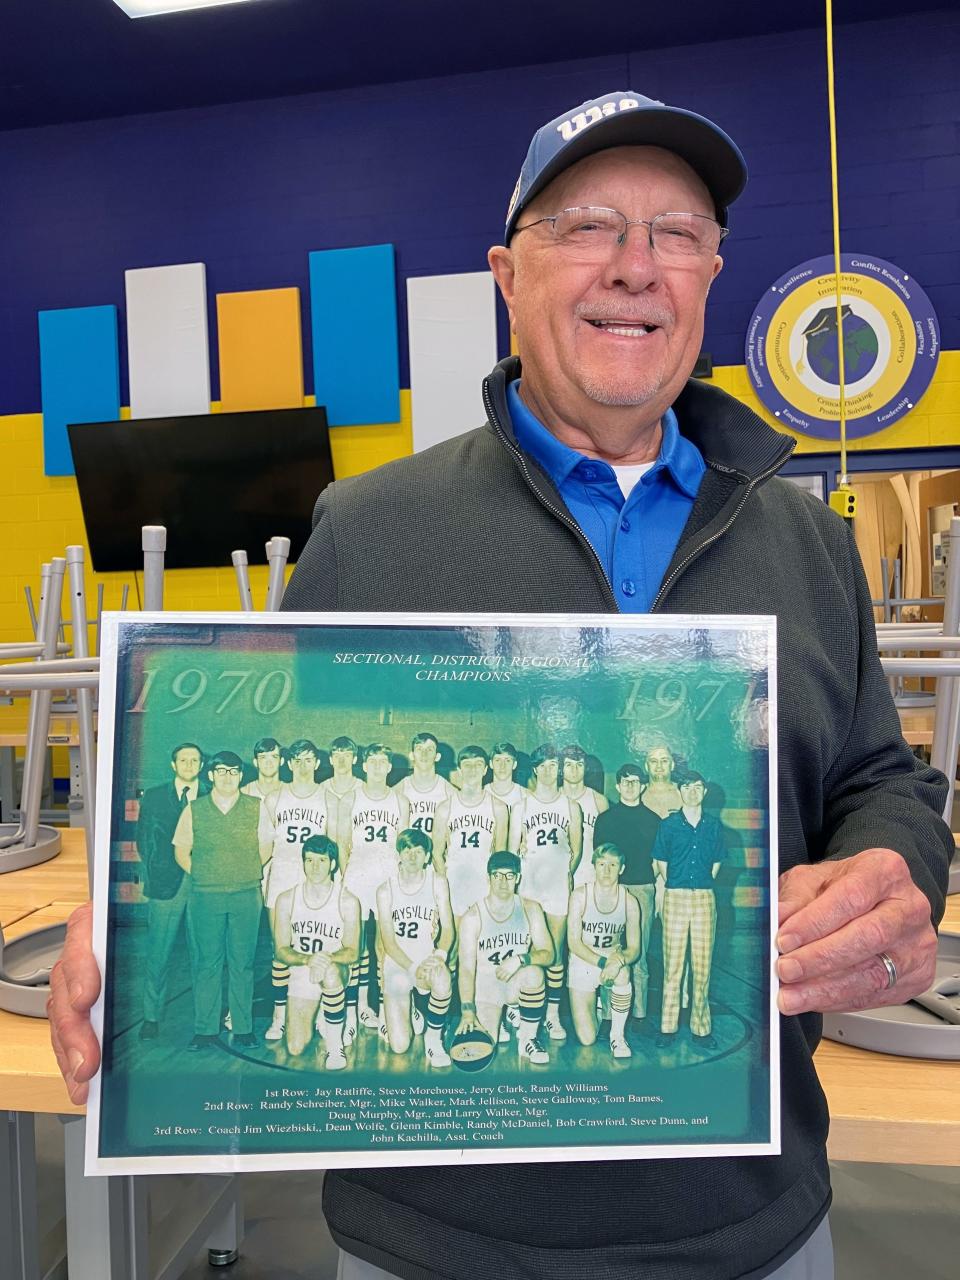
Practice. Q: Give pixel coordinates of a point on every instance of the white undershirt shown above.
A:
(629, 477)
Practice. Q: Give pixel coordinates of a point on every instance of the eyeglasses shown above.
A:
(224, 771)
(511, 876)
(676, 239)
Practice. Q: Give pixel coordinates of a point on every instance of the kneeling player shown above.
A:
(318, 936)
(603, 935)
(505, 946)
(415, 926)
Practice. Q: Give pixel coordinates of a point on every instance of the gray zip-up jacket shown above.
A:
(473, 524)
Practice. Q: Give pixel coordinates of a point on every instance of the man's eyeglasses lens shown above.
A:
(223, 771)
(675, 237)
(504, 875)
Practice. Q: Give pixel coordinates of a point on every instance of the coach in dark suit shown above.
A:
(165, 884)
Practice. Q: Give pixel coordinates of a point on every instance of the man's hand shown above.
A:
(468, 1022)
(612, 969)
(74, 986)
(509, 968)
(835, 920)
(318, 966)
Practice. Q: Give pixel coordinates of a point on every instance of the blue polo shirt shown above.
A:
(689, 852)
(634, 538)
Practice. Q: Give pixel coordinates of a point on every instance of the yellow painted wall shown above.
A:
(934, 423)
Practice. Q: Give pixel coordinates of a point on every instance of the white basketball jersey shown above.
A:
(588, 807)
(375, 825)
(470, 832)
(294, 819)
(546, 835)
(415, 915)
(423, 804)
(500, 939)
(603, 929)
(510, 797)
(314, 929)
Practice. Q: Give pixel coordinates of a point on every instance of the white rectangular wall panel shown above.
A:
(452, 324)
(168, 348)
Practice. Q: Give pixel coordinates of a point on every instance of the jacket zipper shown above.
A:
(562, 516)
(668, 582)
(574, 528)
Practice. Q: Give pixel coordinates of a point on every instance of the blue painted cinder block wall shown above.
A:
(250, 189)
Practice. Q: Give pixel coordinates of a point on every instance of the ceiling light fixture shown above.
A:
(151, 8)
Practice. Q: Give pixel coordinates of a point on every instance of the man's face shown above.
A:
(303, 766)
(186, 765)
(503, 765)
(412, 859)
(317, 867)
(503, 884)
(424, 755)
(342, 760)
(573, 770)
(546, 772)
(608, 868)
(692, 793)
(628, 788)
(268, 763)
(472, 771)
(553, 296)
(377, 767)
(659, 764)
(226, 778)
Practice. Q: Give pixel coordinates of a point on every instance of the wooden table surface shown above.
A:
(883, 1108)
(916, 725)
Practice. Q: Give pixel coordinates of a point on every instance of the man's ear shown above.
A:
(500, 260)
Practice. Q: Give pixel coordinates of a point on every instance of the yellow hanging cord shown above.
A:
(831, 104)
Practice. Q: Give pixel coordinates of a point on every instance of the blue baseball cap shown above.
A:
(622, 119)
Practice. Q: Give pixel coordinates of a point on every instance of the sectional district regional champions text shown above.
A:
(480, 668)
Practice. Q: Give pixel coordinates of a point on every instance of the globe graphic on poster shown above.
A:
(860, 347)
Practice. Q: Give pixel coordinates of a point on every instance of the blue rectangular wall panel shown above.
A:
(353, 311)
(79, 377)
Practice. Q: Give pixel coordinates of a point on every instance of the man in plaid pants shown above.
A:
(687, 854)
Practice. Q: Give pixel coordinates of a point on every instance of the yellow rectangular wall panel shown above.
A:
(261, 350)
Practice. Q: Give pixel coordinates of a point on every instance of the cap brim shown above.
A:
(710, 153)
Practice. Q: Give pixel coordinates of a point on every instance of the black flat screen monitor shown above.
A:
(216, 481)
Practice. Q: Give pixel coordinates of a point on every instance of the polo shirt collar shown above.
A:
(677, 456)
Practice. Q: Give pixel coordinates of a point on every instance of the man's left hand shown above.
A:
(836, 918)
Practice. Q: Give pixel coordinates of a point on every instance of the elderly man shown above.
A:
(630, 488)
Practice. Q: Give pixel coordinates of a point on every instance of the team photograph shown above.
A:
(350, 864)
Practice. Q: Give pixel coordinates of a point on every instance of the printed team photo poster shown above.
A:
(388, 889)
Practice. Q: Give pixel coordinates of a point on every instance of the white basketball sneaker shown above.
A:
(554, 1028)
(336, 1061)
(417, 1020)
(350, 1028)
(503, 1036)
(436, 1054)
(620, 1048)
(227, 1021)
(533, 1051)
(368, 1019)
(277, 1025)
(512, 1015)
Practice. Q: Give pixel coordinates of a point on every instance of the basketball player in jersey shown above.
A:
(469, 825)
(503, 764)
(289, 817)
(318, 938)
(505, 946)
(343, 758)
(603, 934)
(415, 924)
(370, 825)
(424, 789)
(266, 761)
(573, 761)
(546, 829)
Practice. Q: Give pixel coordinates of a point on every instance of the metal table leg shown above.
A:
(19, 1257)
(108, 1229)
